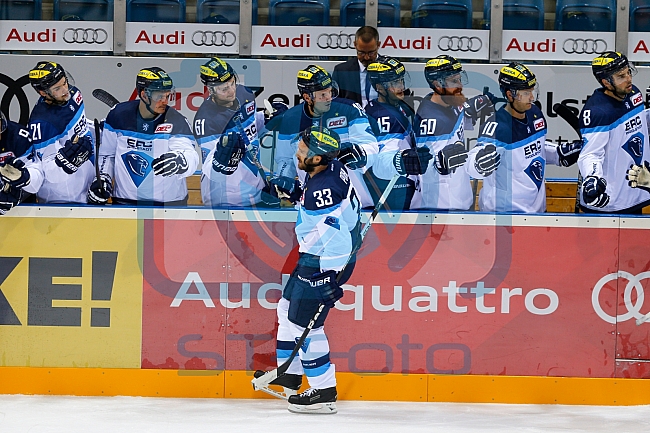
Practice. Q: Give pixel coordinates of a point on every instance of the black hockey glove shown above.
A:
(487, 160)
(569, 152)
(14, 173)
(326, 288)
(593, 191)
(477, 106)
(286, 188)
(9, 197)
(451, 157)
(354, 157)
(638, 176)
(100, 190)
(274, 110)
(169, 163)
(74, 153)
(412, 161)
(229, 152)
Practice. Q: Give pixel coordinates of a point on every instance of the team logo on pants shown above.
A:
(634, 147)
(536, 171)
(138, 165)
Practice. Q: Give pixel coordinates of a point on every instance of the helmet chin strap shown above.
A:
(147, 105)
(512, 105)
(610, 80)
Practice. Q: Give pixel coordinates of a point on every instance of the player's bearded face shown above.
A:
(452, 91)
(304, 163)
(60, 92)
(622, 81)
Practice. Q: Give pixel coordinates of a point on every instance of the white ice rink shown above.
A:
(50, 414)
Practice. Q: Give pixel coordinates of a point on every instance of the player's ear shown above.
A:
(317, 161)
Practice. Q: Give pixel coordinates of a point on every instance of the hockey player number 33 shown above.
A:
(323, 197)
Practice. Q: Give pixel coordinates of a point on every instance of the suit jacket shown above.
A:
(346, 75)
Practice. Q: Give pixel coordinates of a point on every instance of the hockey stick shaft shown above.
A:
(268, 377)
(105, 97)
(251, 150)
(98, 138)
(573, 121)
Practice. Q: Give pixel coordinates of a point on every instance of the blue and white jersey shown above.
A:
(437, 126)
(131, 143)
(348, 119)
(392, 127)
(16, 142)
(518, 184)
(327, 213)
(51, 126)
(244, 186)
(615, 136)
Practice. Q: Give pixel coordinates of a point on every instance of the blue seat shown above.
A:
(20, 9)
(519, 14)
(640, 15)
(578, 15)
(299, 12)
(444, 14)
(221, 11)
(86, 10)
(156, 11)
(353, 13)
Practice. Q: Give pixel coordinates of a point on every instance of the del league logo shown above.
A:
(337, 122)
(250, 108)
(164, 128)
(539, 124)
(78, 98)
(637, 99)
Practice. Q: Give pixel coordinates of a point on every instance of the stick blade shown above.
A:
(105, 97)
(569, 117)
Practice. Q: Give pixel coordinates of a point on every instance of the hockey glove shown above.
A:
(74, 153)
(229, 152)
(412, 161)
(9, 197)
(639, 176)
(478, 105)
(354, 157)
(273, 110)
(593, 191)
(100, 190)
(14, 173)
(326, 288)
(451, 157)
(569, 152)
(286, 188)
(169, 163)
(487, 160)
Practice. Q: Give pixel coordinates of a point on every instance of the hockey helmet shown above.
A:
(216, 71)
(322, 142)
(515, 77)
(152, 79)
(443, 66)
(314, 78)
(45, 74)
(608, 63)
(386, 70)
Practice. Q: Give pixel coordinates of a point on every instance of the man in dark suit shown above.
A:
(351, 75)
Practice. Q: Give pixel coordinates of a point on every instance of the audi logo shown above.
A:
(584, 46)
(633, 309)
(460, 43)
(214, 39)
(85, 36)
(335, 41)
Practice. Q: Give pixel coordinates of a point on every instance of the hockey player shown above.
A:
(327, 228)
(226, 129)
(319, 108)
(614, 126)
(512, 151)
(20, 172)
(60, 136)
(147, 148)
(391, 121)
(440, 124)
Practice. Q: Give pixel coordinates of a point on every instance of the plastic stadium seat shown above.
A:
(85, 10)
(156, 11)
(640, 15)
(519, 14)
(20, 9)
(353, 13)
(578, 15)
(221, 11)
(299, 12)
(454, 14)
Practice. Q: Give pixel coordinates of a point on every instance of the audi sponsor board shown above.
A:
(638, 47)
(56, 35)
(542, 45)
(182, 38)
(339, 41)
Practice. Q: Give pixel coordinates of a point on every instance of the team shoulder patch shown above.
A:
(539, 124)
(637, 99)
(337, 122)
(164, 128)
(78, 99)
(250, 108)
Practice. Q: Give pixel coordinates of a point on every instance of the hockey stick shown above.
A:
(98, 134)
(251, 151)
(105, 97)
(261, 383)
(573, 121)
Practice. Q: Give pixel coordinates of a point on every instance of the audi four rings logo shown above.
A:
(460, 43)
(85, 36)
(335, 41)
(584, 46)
(214, 39)
(633, 308)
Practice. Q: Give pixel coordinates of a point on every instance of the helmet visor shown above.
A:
(222, 89)
(527, 96)
(454, 81)
(159, 95)
(399, 84)
(326, 94)
(621, 76)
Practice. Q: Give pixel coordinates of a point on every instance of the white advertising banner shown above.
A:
(182, 38)
(551, 45)
(56, 35)
(397, 42)
(638, 46)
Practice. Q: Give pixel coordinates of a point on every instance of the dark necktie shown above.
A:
(367, 86)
